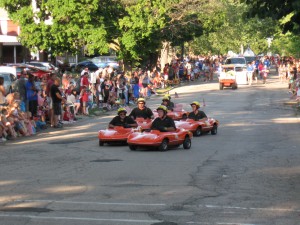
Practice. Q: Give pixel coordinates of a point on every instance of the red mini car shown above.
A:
(199, 127)
(117, 134)
(160, 140)
(144, 123)
(178, 112)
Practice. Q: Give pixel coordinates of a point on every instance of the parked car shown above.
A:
(250, 59)
(236, 60)
(9, 82)
(104, 61)
(63, 66)
(16, 69)
(9, 69)
(81, 65)
(43, 65)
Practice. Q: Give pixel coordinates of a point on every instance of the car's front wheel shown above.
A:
(187, 143)
(221, 86)
(163, 146)
(198, 132)
(214, 130)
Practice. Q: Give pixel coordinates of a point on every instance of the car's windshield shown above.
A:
(235, 61)
(5, 77)
(238, 69)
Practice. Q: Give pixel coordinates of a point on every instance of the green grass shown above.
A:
(163, 91)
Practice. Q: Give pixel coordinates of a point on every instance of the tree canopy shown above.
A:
(137, 28)
(226, 29)
(285, 11)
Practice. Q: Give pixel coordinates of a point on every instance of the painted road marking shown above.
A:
(79, 218)
(94, 203)
(158, 204)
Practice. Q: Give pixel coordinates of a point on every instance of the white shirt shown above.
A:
(71, 98)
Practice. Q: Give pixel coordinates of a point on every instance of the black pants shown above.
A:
(32, 107)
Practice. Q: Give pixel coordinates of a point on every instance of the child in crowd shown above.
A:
(84, 94)
(67, 116)
(3, 133)
(16, 119)
(8, 126)
(27, 122)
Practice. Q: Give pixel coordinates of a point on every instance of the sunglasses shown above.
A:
(122, 114)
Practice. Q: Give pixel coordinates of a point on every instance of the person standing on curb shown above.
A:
(57, 100)
(50, 82)
(249, 73)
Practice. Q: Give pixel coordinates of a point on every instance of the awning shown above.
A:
(9, 40)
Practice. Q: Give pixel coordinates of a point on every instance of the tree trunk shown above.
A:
(164, 56)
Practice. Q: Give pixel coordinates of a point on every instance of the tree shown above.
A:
(287, 44)
(285, 11)
(151, 24)
(60, 26)
(225, 29)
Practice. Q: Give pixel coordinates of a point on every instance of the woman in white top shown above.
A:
(73, 101)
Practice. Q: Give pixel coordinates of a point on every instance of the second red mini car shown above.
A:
(199, 127)
(160, 140)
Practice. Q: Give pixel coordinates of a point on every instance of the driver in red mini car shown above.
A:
(141, 111)
(196, 114)
(163, 123)
(171, 104)
(166, 102)
(122, 120)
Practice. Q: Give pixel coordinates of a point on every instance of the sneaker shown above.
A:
(3, 139)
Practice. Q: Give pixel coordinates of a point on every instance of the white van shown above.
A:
(9, 69)
(236, 60)
(240, 66)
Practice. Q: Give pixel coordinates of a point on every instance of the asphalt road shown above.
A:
(247, 174)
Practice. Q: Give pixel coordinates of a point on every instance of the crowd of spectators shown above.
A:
(52, 101)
